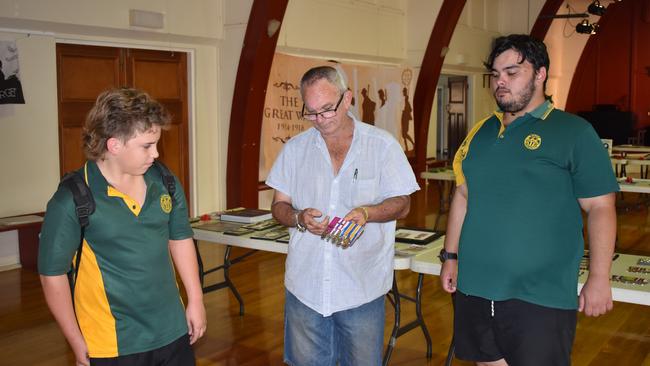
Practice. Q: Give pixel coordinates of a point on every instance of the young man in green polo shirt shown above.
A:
(126, 309)
(523, 176)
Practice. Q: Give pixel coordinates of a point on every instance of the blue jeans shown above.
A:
(352, 337)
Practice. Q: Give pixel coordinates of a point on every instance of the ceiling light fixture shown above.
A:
(584, 27)
(596, 8)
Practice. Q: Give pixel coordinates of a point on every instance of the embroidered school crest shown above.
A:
(532, 141)
(166, 203)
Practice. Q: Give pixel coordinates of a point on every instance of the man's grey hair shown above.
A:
(328, 73)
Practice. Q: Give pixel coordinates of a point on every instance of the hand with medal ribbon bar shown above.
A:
(343, 233)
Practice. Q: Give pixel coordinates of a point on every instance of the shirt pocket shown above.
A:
(363, 192)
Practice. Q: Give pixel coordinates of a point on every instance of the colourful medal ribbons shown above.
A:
(342, 233)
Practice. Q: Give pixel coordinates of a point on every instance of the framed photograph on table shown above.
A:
(416, 235)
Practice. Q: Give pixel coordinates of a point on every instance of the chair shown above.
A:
(639, 139)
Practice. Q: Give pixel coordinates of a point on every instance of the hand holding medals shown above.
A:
(341, 232)
(344, 232)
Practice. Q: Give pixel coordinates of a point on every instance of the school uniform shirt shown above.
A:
(321, 275)
(126, 297)
(522, 233)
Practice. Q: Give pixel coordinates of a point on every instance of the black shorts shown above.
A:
(177, 353)
(520, 332)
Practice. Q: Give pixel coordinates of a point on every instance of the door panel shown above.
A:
(73, 147)
(82, 73)
(84, 76)
(163, 74)
(159, 77)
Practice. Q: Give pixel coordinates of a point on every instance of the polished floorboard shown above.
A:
(29, 335)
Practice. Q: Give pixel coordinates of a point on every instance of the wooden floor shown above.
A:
(29, 336)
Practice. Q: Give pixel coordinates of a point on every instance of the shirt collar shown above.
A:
(540, 112)
(97, 182)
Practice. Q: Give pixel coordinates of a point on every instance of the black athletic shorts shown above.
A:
(522, 333)
(177, 353)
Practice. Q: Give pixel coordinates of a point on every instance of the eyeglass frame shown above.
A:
(315, 115)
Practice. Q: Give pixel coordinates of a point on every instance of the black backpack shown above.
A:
(85, 205)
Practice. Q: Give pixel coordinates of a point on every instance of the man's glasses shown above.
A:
(324, 114)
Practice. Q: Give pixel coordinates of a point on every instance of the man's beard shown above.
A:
(518, 102)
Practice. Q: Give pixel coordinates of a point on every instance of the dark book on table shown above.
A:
(246, 215)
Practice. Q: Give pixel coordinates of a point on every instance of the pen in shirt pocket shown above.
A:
(354, 177)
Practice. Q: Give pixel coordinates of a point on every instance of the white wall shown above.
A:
(355, 30)
(29, 134)
(29, 146)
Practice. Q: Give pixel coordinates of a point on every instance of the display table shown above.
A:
(625, 149)
(428, 263)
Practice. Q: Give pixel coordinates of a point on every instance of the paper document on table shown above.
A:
(412, 249)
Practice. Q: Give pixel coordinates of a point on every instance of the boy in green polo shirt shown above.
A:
(126, 308)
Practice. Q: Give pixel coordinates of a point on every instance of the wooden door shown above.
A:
(163, 75)
(83, 72)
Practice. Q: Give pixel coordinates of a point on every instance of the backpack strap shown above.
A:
(83, 199)
(84, 207)
(167, 178)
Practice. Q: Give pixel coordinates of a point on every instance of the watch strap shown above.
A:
(445, 255)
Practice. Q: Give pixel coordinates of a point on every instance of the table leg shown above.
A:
(450, 353)
(226, 275)
(420, 318)
(393, 336)
(418, 322)
(199, 261)
(452, 347)
(227, 282)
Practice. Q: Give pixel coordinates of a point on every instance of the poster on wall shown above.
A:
(381, 96)
(11, 91)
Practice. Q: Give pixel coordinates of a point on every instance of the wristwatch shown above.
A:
(299, 226)
(444, 255)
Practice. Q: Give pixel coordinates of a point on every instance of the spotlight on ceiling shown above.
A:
(596, 8)
(585, 28)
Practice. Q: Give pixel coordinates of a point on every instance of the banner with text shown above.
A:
(381, 97)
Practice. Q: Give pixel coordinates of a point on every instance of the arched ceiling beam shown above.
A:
(242, 172)
(425, 89)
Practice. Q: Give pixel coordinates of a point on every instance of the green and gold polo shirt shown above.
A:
(522, 235)
(126, 297)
